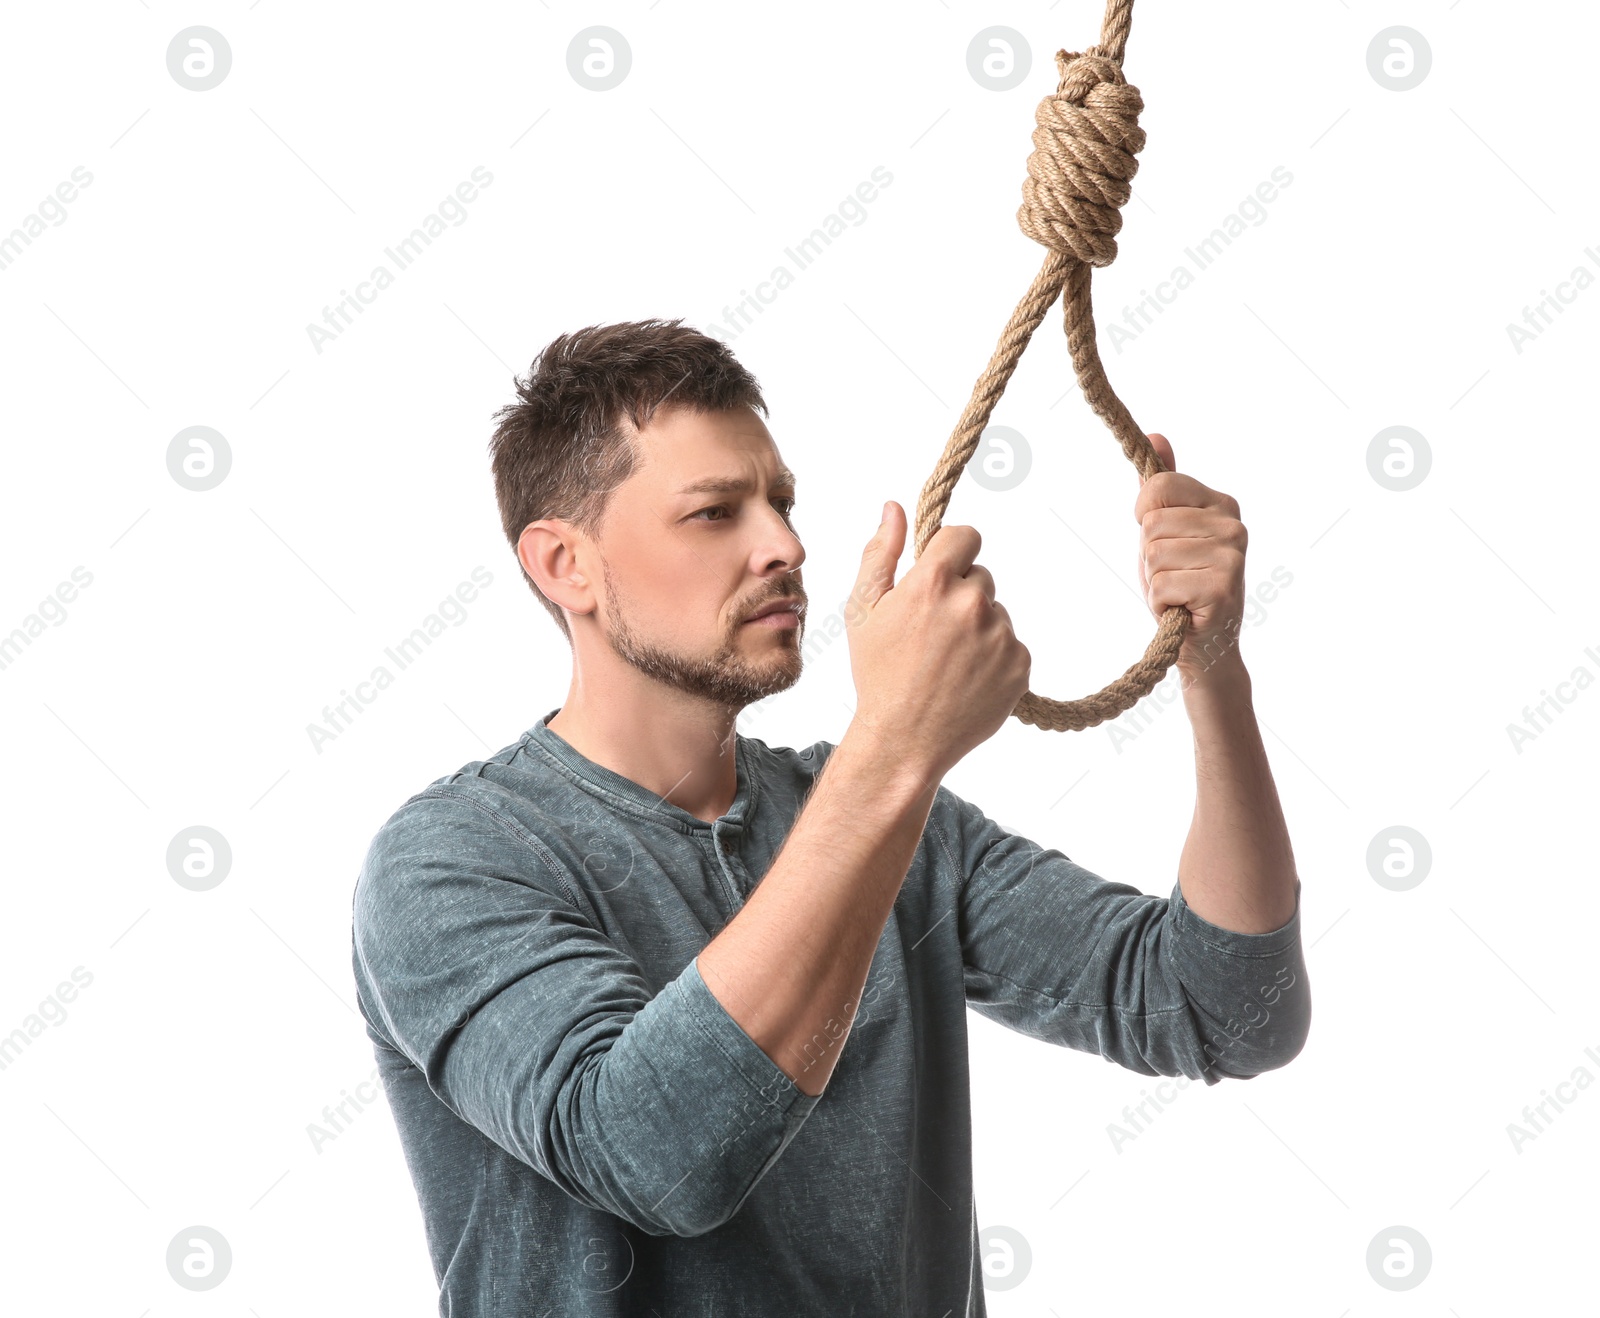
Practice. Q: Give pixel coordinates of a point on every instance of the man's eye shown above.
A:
(787, 510)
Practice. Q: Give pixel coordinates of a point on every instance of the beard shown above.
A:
(725, 677)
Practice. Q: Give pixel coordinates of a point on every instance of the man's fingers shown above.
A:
(984, 578)
(1163, 448)
(955, 547)
(881, 556)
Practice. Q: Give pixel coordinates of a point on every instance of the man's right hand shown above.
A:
(937, 667)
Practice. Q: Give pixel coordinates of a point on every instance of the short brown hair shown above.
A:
(568, 442)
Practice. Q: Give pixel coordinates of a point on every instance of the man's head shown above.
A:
(592, 468)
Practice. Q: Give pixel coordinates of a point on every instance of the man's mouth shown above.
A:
(777, 613)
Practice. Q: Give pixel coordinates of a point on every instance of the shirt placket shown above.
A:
(725, 843)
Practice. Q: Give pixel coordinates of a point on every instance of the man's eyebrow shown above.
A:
(785, 479)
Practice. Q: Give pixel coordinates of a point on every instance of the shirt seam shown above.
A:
(961, 888)
(1187, 924)
(445, 792)
(944, 843)
(1182, 927)
(696, 1013)
(614, 798)
(1080, 1003)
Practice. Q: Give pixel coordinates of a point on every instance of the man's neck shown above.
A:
(675, 748)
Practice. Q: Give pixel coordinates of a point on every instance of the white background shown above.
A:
(1418, 624)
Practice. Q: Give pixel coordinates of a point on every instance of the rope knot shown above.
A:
(1085, 140)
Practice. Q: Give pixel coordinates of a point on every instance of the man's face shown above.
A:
(684, 568)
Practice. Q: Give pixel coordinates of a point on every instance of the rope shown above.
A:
(1085, 141)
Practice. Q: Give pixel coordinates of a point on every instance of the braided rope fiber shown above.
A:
(1086, 138)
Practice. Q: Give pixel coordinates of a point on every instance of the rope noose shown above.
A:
(1078, 179)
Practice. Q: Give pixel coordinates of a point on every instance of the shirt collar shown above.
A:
(614, 786)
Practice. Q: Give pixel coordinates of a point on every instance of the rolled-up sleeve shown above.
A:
(476, 961)
(1056, 952)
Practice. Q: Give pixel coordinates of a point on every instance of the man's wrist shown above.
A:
(898, 773)
(1223, 677)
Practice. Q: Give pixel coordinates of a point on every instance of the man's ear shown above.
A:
(549, 553)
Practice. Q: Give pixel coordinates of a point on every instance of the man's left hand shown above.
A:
(1191, 552)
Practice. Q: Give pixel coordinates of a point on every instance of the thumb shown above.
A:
(1163, 447)
(881, 556)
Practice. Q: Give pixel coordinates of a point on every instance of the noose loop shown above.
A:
(1086, 138)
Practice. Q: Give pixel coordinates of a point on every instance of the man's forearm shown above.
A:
(789, 968)
(1237, 868)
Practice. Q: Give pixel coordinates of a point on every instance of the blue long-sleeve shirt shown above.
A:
(591, 1133)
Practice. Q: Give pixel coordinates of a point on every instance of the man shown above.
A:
(673, 1021)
